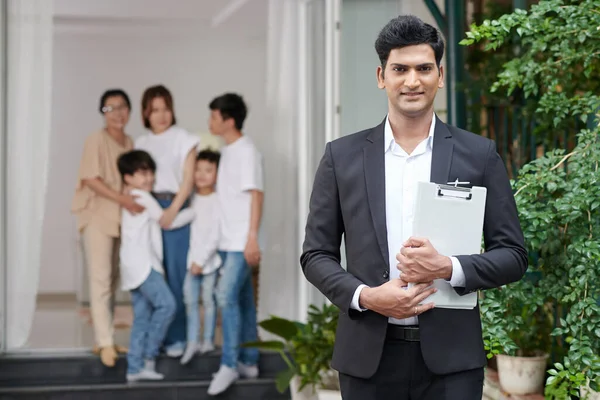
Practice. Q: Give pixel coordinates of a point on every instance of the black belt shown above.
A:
(408, 333)
(165, 196)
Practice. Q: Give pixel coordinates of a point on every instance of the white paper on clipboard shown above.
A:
(451, 218)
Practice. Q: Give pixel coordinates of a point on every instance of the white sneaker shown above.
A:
(247, 371)
(145, 375)
(222, 380)
(175, 351)
(206, 347)
(190, 351)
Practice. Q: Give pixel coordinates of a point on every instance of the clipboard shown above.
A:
(451, 217)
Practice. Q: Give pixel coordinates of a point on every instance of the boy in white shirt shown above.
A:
(203, 259)
(142, 272)
(240, 193)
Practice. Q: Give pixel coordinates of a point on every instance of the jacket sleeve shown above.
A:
(320, 259)
(505, 258)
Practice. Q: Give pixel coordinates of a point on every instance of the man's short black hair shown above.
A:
(408, 30)
(231, 105)
(135, 160)
(113, 93)
(209, 155)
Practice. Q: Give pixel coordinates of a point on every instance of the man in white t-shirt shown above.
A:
(142, 273)
(240, 194)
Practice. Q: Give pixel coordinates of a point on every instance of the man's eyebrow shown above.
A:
(408, 66)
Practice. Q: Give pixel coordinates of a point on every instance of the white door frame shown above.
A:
(3, 125)
(307, 293)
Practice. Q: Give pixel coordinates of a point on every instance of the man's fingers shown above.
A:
(399, 282)
(403, 261)
(414, 241)
(421, 286)
(425, 307)
(422, 296)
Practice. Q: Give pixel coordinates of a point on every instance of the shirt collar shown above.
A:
(388, 135)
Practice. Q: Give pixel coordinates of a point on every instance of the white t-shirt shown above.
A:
(141, 239)
(204, 233)
(240, 170)
(169, 151)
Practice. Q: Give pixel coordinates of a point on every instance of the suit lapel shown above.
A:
(441, 157)
(374, 166)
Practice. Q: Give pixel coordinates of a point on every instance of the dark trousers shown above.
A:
(403, 375)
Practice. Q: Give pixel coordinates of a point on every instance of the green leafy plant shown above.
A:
(558, 195)
(306, 348)
(517, 320)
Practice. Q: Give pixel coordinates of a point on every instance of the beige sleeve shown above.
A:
(91, 159)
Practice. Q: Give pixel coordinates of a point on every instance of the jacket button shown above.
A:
(386, 274)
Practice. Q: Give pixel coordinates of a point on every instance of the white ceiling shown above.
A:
(163, 16)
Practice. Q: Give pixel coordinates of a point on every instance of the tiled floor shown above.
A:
(60, 323)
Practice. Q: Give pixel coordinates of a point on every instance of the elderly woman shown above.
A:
(174, 150)
(97, 204)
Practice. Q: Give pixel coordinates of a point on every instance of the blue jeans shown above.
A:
(176, 244)
(153, 311)
(235, 298)
(193, 285)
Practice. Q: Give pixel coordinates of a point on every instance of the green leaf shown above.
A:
(266, 345)
(282, 381)
(281, 327)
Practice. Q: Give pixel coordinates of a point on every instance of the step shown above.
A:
(84, 368)
(246, 389)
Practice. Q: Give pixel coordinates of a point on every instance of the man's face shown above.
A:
(217, 125)
(411, 79)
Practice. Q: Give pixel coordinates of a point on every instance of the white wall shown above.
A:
(195, 63)
(363, 104)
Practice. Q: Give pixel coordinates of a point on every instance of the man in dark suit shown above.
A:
(389, 346)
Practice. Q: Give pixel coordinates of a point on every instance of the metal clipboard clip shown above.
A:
(454, 191)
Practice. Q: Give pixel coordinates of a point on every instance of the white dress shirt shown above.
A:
(402, 172)
(141, 239)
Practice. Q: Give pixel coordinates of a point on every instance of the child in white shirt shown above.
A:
(142, 272)
(203, 260)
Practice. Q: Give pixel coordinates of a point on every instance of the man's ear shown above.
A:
(380, 77)
(230, 122)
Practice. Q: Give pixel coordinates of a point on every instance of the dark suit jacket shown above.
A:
(348, 198)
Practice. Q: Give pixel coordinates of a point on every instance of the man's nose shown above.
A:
(412, 79)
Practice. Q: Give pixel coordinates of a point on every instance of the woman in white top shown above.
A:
(174, 151)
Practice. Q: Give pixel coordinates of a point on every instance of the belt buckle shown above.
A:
(412, 334)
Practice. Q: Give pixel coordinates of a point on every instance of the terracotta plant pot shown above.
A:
(522, 375)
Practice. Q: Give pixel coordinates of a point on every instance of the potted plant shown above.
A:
(307, 349)
(517, 324)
